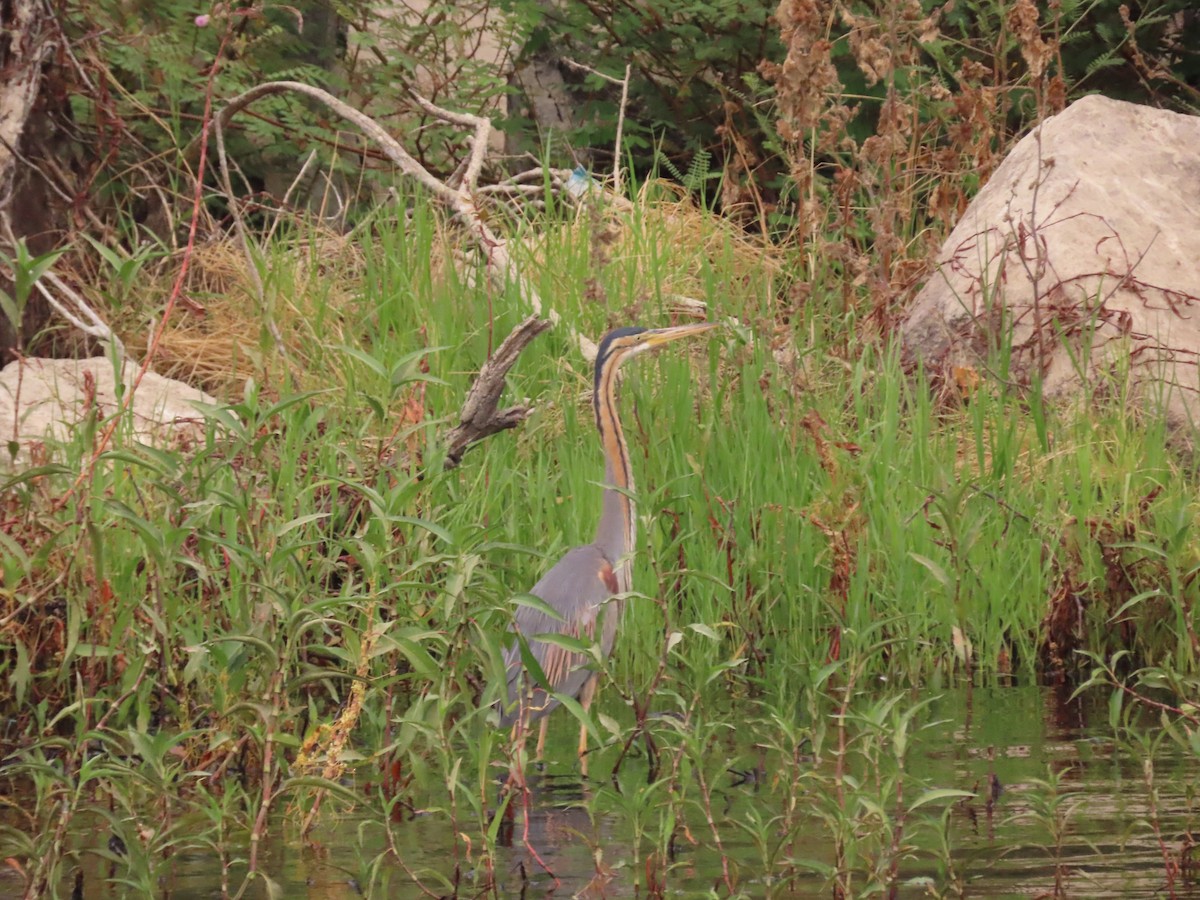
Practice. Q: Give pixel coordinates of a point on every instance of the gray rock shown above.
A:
(1086, 241)
(46, 399)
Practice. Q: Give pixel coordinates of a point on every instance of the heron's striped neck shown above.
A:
(617, 533)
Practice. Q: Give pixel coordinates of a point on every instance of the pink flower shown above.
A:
(202, 21)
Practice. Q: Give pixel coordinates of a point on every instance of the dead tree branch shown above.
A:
(480, 415)
(459, 199)
(27, 44)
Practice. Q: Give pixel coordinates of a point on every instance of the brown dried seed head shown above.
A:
(1023, 20)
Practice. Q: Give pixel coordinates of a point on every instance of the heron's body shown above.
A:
(585, 586)
(587, 576)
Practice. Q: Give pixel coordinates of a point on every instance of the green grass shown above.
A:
(812, 521)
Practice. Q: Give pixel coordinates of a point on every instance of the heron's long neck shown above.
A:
(617, 533)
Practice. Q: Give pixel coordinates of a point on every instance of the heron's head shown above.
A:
(622, 343)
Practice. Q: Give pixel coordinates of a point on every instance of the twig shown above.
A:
(483, 131)
(287, 195)
(624, 83)
(269, 774)
(617, 151)
(400, 858)
(457, 201)
(93, 327)
(33, 166)
(726, 874)
(1170, 866)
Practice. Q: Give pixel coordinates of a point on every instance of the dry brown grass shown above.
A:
(217, 337)
(691, 238)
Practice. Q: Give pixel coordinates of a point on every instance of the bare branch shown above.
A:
(83, 316)
(69, 305)
(500, 265)
(617, 152)
(483, 131)
(624, 83)
(582, 68)
(287, 195)
(480, 415)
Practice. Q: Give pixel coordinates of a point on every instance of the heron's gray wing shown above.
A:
(577, 587)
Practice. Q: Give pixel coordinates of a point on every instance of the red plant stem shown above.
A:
(105, 437)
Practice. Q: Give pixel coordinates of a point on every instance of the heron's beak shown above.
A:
(656, 336)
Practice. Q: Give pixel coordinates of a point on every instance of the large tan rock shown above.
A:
(49, 398)
(1087, 241)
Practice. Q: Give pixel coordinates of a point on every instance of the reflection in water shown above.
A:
(1026, 754)
(1039, 745)
(548, 833)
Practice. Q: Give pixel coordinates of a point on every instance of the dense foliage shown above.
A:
(701, 107)
(703, 96)
(299, 615)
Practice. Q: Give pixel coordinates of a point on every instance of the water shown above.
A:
(1003, 743)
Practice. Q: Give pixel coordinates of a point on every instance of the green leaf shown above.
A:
(252, 641)
(530, 661)
(109, 255)
(566, 642)
(934, 569)
(1193, 737)
(1148, 549)
(289, 401)
(14, 550)
(418, 657)
(407, 368)
(321, 784)
(376, 406)
(366, 359)
(151, 536)
(133, 459)
(532, 601)
(31, 474)
(432, 527)
(300, 522)
(823, 869)
(40, 265)
(11, 310)
(1116, 701)
(94, 650)
(22, 675)
(936, 794)
(1134, 601)
(577, 710)
(221, 415)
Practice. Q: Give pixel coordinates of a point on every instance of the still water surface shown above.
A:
(1002, 740)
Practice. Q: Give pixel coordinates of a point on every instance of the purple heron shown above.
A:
(581, 586)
